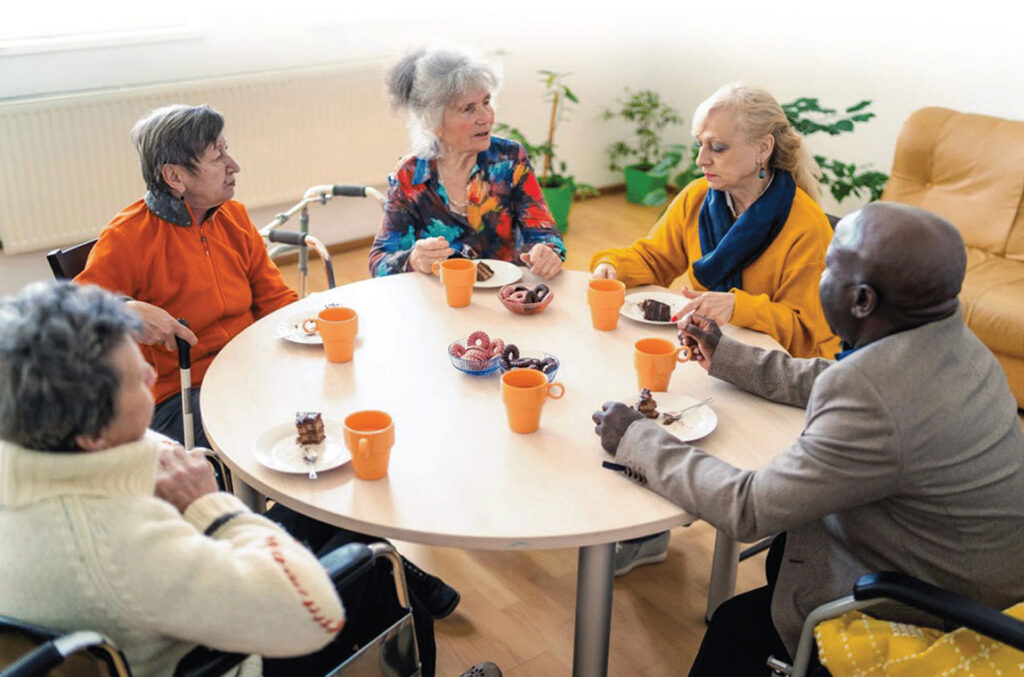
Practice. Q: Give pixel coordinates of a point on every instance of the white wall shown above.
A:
(899, 56)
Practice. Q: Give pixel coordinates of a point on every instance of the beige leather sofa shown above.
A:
(970, 169)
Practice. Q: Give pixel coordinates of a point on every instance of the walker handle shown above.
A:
(287, 237)
(350, 191)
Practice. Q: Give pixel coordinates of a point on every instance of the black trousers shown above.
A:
(741, 635)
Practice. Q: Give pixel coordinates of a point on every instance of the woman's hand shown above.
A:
(428, 250)
(183, 476)
(714, 305)
(159, 327)
(605, 271)
(543, 261)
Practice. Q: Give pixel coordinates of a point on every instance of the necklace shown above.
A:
(457, 206)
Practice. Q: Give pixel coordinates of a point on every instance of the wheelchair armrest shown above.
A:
(942, 603)
(347, 563)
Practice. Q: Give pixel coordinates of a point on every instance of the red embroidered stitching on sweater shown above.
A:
(314, 611)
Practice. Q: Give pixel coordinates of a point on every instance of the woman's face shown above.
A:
(213, 181)
(466, 125)
(133, 408)
(729, 161)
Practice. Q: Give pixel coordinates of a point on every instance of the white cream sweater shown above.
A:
(84, 544)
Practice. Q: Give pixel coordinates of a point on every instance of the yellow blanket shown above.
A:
(855, 644)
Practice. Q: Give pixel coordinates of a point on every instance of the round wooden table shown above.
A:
(458, 476)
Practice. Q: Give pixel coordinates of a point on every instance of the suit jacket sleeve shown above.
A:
(843, 458)
(771, 374)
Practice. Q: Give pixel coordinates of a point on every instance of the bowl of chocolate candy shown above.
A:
(512, 358)
(477, 355)
(525, 300)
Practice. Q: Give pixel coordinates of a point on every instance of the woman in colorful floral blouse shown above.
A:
(461, 192)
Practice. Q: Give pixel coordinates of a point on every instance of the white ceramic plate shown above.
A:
(694, 424)
(631, 308)
(504, 273)
(291, 330)
(277, 450)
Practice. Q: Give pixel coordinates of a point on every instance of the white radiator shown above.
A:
(67, 164)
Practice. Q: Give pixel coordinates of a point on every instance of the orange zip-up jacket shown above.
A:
(216, 275)
(780, 288)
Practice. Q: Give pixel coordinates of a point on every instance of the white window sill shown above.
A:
(97, 41)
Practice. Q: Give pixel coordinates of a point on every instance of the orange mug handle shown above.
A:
(684, 354)
(363, 448)
(436, 267)
(306, 326)
(561, 390)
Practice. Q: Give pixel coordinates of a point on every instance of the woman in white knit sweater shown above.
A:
(109, 527)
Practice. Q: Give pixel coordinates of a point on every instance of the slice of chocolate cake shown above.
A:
(483, 271)
(656, 311)
(647, 404)
(310, 427)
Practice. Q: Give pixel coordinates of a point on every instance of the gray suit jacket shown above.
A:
(911, 459)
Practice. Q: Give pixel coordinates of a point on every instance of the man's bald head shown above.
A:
(903, 266)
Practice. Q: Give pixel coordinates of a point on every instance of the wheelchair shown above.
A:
(28, 650)
(876, 588)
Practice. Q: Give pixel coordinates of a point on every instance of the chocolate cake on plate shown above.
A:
(656, 311)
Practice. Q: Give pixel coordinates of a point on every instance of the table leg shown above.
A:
(723, 572)
(255, 501)
(594, 575)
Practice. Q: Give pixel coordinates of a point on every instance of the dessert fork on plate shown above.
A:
(680, 412)
(310, 456)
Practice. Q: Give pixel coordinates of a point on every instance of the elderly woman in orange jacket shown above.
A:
(750, 234)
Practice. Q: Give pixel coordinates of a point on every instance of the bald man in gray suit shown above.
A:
(911, 458)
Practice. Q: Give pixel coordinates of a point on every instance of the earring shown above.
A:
(761, 173)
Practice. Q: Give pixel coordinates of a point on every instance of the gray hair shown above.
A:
(424, 82)
(759, 114)
(56, 380)
(176, 134)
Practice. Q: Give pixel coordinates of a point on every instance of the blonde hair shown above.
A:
(758, 114)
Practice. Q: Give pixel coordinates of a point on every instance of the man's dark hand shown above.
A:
(612, 421)
(701, 335)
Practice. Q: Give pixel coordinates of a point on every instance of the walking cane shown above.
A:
(185, 365)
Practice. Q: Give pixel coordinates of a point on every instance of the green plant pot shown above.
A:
(559, 201)
(645, 188)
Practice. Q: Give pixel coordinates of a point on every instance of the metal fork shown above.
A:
(310, 455)
(686, 409)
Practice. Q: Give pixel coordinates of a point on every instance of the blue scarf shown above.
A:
(730, 247)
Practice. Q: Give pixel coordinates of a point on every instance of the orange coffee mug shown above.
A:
(605, 298)
(524, 391)
(655, 359)
(369, 436)
(338, 327)
(457, 276)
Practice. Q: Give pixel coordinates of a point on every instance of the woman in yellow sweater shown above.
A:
(750, 234)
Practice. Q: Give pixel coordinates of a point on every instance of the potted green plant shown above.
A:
(558, 186)
(647, 177)
(807, 116)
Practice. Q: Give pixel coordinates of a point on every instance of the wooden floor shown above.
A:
(517, 607)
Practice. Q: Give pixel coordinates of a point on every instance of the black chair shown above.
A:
(66, 263)
(879, 587)
(28, 650)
